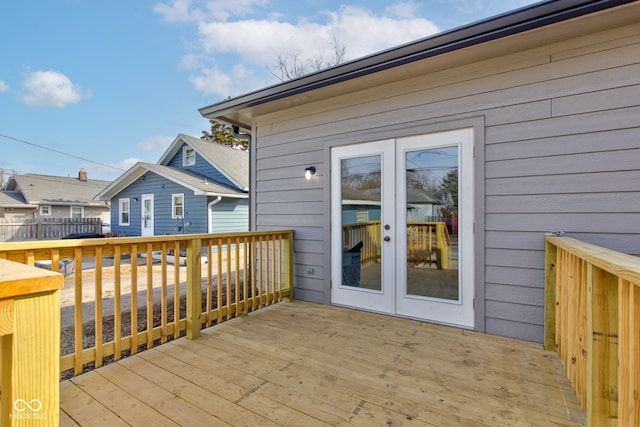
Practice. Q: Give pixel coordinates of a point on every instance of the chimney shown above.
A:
(82, 175)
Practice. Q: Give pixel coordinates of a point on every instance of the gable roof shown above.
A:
(490, 37)
(232, 163)
(56, 190)
(352, 196)
(199, 184)
(13, 199)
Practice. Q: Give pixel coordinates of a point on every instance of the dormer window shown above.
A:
(188, 156)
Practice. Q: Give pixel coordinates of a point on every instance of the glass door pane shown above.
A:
(432, 223)
(361, 180)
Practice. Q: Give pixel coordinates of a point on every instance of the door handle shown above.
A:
(387, 238)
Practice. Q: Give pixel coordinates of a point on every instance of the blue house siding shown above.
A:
(350, 213)
(162, 189)
(169, 177)
(230, 215)
(202, 167)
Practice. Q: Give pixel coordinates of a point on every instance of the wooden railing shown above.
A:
(369, 234)
(29, 345)
(426, 242)
(428, 238)
(145, 291)
(592, 319)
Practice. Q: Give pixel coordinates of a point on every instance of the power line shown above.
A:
(60, 152)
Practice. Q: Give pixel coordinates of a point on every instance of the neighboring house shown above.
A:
(14, 206)
(359, 206)
(540, 111)
(197, 186)
(46, 196)
(423, 206)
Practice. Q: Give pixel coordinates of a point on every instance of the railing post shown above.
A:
(602, 347)
(550, 259)
(629, 351)
(442, 246)
(194, 288)
(30, 340)
(288, 264)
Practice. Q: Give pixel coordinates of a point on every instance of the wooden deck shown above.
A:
(305, 364)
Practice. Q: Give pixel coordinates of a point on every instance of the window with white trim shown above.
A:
(188, 156)
(362, 214)
(177, 205)
(45, 210)
(77, 211)
(124, 211)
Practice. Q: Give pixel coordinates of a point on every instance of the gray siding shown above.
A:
(561, 152)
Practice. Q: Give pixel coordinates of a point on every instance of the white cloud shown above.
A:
(211, 81)
(178, 11)
(126, 163)
(254, 43)
(98, 171)
(51, 89)
(198, 11)
(406, 9)
(3, 86)
(155, 143)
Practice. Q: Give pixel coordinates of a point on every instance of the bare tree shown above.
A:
(291, 64)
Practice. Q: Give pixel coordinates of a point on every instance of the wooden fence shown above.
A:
(592, 319)
(226, 275)
(13, 230)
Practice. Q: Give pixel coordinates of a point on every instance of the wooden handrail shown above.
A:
(30, 344)
(425, 237)
(592, 319)
(258, 267)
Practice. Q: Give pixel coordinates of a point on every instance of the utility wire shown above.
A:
(60, 152)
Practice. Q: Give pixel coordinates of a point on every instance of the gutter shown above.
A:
(209, 216)
(518, 21)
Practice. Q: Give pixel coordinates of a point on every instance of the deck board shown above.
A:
(306, 364)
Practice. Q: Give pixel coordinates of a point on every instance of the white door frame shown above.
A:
(451, 312)
(372, 300)
(392, 298)
(149, 229)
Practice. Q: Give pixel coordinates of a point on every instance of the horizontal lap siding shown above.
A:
(577, 170)
(162, 189)
(561, 153)
(230, 215)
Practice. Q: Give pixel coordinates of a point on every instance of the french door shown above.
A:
(402, 227)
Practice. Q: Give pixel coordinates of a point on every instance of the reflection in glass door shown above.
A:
(402, 227)
(362, 215)
(361, 179)
(434, 244)
(431, 223)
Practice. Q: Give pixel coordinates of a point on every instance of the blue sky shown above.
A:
(113, 82)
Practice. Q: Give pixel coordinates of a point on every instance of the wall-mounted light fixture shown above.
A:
(309, 172)
(135, 199)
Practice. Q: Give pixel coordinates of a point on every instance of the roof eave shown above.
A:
(518, 21)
